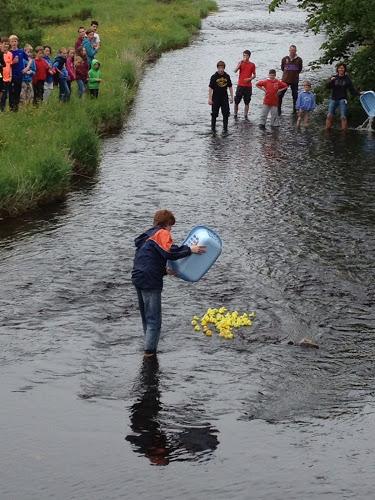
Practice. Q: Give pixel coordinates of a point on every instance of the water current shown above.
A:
(81, 417)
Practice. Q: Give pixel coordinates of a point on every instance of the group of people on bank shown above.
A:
(304, 101)
(29, 75)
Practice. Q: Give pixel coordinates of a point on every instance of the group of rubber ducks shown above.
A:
(221, 320)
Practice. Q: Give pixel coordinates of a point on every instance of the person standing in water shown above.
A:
(291, 66)
(218, 87)
(244, 88)
(339, 85)
(153, 249)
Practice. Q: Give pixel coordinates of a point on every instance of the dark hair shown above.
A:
(294, 46)
(164, 218)
(48, 47)
(341, 64)
(247, 52)
(94, 22)
(81, 28)
(89, 31)
(220, 63)
(272, 72)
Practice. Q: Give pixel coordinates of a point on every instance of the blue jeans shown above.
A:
(64, 91)
(150, 309)
(81, 87)
(342, 104)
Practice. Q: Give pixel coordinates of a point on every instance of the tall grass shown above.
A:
(41, 147)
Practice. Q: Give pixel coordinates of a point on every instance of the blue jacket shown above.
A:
(27, 78)
(90, 51)
(49, 61)
(153, 249)
(59, 64)
(306, 101)
(18, 67)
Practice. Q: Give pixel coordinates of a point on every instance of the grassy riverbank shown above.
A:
(41, 148)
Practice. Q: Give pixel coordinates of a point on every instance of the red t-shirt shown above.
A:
(247, 70)
(272, 87)
(41, 71)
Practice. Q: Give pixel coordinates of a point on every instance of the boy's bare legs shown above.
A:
(235, 110)
(246, 111)
(329, 121)
(299, 119)
(306, 119)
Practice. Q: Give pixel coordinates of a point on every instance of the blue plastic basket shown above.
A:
(195, 266)
(368, 102)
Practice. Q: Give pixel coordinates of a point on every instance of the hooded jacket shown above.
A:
(90, 50)
(94, 75)
(153, 249)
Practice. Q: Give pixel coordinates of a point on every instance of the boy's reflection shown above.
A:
(148, 437)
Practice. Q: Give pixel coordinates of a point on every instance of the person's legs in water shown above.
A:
(294, 89)
(142, 309)
(225, 110)
(343, 104)
(281, 96)
(332, 106)
(237, 100)
(152, 312)
(263, 116)
(275, 121)
(246, 99)
(214, 114)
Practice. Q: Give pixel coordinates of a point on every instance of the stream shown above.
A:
(83, 417)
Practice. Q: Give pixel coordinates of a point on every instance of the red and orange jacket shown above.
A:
(153, 249)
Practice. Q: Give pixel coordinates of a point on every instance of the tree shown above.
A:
(350, 29)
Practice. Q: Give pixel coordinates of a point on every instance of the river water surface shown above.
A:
(254, 418)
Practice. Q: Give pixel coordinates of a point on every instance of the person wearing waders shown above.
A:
(218, 87)
(154, 248)
(291, 66)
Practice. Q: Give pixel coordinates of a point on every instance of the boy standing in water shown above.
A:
(272, 88)
(305, 104)
(153, 249)
(244, 88)
(219, 84)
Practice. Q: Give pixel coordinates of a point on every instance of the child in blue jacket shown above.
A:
(305, 104)
(153, 249)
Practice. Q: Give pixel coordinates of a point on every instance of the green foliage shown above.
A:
(350, 29)
(41, 147)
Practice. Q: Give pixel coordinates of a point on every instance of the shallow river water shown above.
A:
(253, 418)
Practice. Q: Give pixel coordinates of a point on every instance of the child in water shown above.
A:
(153, 248)
(218, 87)
(244, 88)
(272, 88)
(305, 104)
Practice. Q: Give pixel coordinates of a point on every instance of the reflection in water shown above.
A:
(149, 439)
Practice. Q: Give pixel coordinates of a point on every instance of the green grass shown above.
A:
(40, 148)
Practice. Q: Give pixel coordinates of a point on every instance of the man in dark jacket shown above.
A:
(153, 249)
(291, 67)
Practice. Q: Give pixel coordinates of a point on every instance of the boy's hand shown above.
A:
(170, 272)
(199, 249)
(231, 100)
(210, 102)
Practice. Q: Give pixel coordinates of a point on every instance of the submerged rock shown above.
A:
(305, 342)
